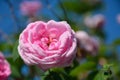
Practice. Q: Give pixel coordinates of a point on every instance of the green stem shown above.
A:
(51, 77)
(64, 11)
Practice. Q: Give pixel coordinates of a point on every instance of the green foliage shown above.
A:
(92, 74)
(5, 46)
(87, 66)
(116, 42)
(104, 74)
(15, 53)
(15, 71)
(79, 6)
(57, 74)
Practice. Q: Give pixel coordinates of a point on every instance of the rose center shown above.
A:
(49, 43)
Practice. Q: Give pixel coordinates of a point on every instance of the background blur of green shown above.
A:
(12, 22)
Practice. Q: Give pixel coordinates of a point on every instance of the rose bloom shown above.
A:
(47, 45)
(30, 8)
(96, 21)
(87, 43)
(5, 70)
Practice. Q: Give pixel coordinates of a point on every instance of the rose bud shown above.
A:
(86, 44)
(96, 21)
(30, 8)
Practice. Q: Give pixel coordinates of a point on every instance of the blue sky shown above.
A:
(110, 11)
(112, 28)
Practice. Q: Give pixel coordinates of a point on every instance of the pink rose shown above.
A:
(30, 8)
(5, 70)
(87, 43)
(47, 45)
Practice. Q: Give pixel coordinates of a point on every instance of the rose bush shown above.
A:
(47, 45)
(5, 70)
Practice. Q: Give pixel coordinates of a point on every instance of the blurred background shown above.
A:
(110, 10)
(99, 18)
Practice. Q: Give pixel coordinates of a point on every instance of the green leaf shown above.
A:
(52, 76)
(63, 74)
(15, 51)
(83, 68)
(15, 71)
(80, 6)
(105, 73)
(102, 49)
(117, 42)
(92, 75)
(5, 46)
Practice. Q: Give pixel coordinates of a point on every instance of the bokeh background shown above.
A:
(110, 10)
(12, 22)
